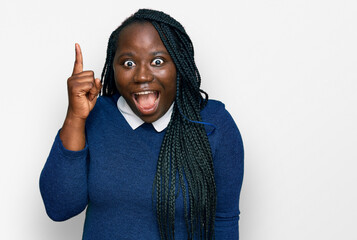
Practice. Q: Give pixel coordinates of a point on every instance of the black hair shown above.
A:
(185, 155)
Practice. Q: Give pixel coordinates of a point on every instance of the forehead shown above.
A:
(139, 36)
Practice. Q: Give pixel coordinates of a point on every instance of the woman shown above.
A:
(150, 158)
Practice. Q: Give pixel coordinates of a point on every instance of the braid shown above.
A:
(185, 155)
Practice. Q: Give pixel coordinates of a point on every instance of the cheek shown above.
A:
(171, 86)
(173, 82)
(122, 79)
(169, 78)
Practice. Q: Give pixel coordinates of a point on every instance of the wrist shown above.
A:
(72, 133)
(74, 122)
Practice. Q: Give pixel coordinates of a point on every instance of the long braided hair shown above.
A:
(185, 156)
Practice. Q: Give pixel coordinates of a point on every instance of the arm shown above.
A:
(63, 182)
(229, 167)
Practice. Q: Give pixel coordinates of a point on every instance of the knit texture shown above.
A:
(113, 176)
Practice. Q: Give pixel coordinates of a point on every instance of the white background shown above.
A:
(286, 71)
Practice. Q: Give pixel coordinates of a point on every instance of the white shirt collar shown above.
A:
(134, 121)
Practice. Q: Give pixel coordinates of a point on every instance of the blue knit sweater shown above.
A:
(113, 176)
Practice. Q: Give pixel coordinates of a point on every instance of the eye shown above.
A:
(129, 63)
(157, 62)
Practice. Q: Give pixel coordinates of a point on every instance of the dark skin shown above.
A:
(83, 90)
(141, 65)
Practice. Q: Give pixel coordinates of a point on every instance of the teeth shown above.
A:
(144, 92)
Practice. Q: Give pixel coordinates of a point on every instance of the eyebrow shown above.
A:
(130, 54)
(160, 52)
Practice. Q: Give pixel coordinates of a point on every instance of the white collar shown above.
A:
(134, 121)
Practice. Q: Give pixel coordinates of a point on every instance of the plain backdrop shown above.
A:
(286, 70)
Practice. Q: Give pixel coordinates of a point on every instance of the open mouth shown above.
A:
(146, 101)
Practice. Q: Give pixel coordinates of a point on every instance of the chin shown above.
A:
(150, 119)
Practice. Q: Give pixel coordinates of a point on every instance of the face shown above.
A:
(145, 74)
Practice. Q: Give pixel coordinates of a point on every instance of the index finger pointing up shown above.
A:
(78, 63)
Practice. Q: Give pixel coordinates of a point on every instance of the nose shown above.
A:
(143, 74)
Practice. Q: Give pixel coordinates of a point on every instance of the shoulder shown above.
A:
(221, 128)
(106, 102)
(212, 106)
(104, 109)
(216, 113)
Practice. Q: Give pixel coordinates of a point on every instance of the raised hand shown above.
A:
(83, 90)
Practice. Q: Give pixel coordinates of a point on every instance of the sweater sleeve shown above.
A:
(63, 182)
(229, 166)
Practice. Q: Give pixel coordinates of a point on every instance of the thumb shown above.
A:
(94, 91)
(98, 84)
